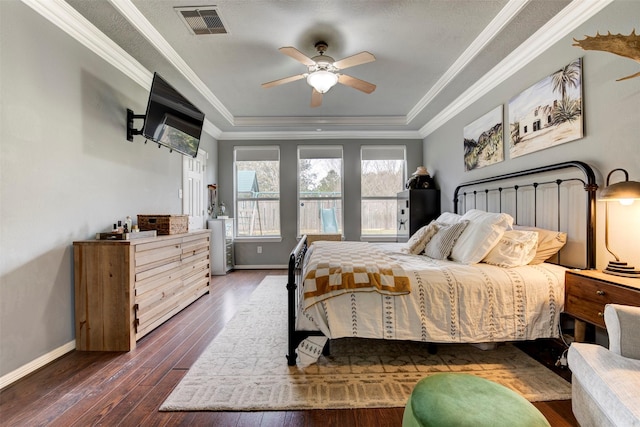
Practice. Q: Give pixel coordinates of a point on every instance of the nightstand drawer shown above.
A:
(586, 297)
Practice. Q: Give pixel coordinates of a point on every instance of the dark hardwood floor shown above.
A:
(109, 388)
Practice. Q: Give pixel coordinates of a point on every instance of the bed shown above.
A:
(488, 293)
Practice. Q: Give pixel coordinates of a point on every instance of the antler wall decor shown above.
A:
(627, 46)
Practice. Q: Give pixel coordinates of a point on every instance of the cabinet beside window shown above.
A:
(221, 245)
(416, 208)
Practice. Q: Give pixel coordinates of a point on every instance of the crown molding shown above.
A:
(319, 120)
(73, 23)
(144, 27)
(323, 135)
(569, 18)
(496, 25)
(211, 129)
(69, 20)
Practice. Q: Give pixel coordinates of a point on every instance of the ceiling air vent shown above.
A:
(202, 20)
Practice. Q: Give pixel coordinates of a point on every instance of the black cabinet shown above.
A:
(415, 209)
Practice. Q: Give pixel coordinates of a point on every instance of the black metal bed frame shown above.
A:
(297, 255)
(589, 183)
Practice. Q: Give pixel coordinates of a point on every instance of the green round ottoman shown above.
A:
(466, 400)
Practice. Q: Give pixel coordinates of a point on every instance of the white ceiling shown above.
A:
(429, 54)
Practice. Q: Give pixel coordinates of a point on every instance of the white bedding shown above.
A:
(449, 303)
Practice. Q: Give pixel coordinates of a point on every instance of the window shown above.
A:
(319, 189)
(257, 191)
(382, 177)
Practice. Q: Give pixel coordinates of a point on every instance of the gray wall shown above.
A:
(67, 172)
(276, 253)
(612, 126)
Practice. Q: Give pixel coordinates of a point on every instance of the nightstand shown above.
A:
(588, 291)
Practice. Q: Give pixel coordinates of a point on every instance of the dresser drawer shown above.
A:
(586, 297)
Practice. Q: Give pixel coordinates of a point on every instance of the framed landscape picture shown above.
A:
(483, 140)
(548, 113)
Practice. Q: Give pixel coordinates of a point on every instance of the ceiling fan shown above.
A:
(323, 71)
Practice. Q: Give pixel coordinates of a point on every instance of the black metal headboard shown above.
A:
(467, 195)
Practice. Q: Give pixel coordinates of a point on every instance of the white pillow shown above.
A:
(549, 243)
(515, 248)
(415, 245)
(483, 232)
(449, 218)
(440, 245)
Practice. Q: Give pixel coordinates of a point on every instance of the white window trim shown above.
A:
(381, 148)
(255, 148)
(320, 149)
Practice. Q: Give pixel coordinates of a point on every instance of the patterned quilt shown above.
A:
(336, 268)
(449, 303)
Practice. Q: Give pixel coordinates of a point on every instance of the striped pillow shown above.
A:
(440, 245)
(418, 241)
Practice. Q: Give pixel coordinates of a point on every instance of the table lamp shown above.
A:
(624, 192)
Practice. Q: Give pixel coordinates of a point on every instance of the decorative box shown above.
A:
(164, 224)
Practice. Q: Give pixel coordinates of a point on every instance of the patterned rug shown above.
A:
(245, 369)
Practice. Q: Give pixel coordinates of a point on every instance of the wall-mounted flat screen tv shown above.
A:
(171, 120)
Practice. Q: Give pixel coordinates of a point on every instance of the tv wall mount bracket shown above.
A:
(131, 131)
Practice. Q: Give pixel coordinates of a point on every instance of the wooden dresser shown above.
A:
(588, 291)
(126, 288)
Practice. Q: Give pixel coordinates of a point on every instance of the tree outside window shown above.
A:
(383, 173)
(257, 188)
(320, 189)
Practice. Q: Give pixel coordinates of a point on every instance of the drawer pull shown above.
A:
(600, 314)
(599, 292)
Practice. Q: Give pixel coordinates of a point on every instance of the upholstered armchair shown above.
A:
(606, 382)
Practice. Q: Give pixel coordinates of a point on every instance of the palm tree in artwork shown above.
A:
(567, 110)
(567, 76)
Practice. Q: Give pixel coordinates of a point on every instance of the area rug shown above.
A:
(245, 368)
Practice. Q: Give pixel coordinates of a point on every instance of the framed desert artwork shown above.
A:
(548, 113)
(483, 140)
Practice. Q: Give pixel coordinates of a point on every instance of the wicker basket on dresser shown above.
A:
(126, 288)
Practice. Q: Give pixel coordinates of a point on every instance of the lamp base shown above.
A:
(621, 269)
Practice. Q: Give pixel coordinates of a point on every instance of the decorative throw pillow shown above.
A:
(448, 218)
(415, 245)
(549, 243)
(483, 233)
(515, 248)
(440, 245)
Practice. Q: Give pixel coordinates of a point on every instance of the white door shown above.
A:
(194, 190)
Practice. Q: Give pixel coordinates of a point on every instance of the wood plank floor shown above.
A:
(126, 389)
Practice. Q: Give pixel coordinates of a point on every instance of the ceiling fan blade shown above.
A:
(361, 85)
(282, 81)
(316, 98)
(352, 61)
(297, 55)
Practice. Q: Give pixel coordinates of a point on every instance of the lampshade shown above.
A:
(624, 190)
(621, 191)
(322, 80)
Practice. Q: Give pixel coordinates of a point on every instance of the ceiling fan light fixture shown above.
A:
(322, 80)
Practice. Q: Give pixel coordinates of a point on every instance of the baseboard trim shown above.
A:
(36, 364)
(260, 267)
